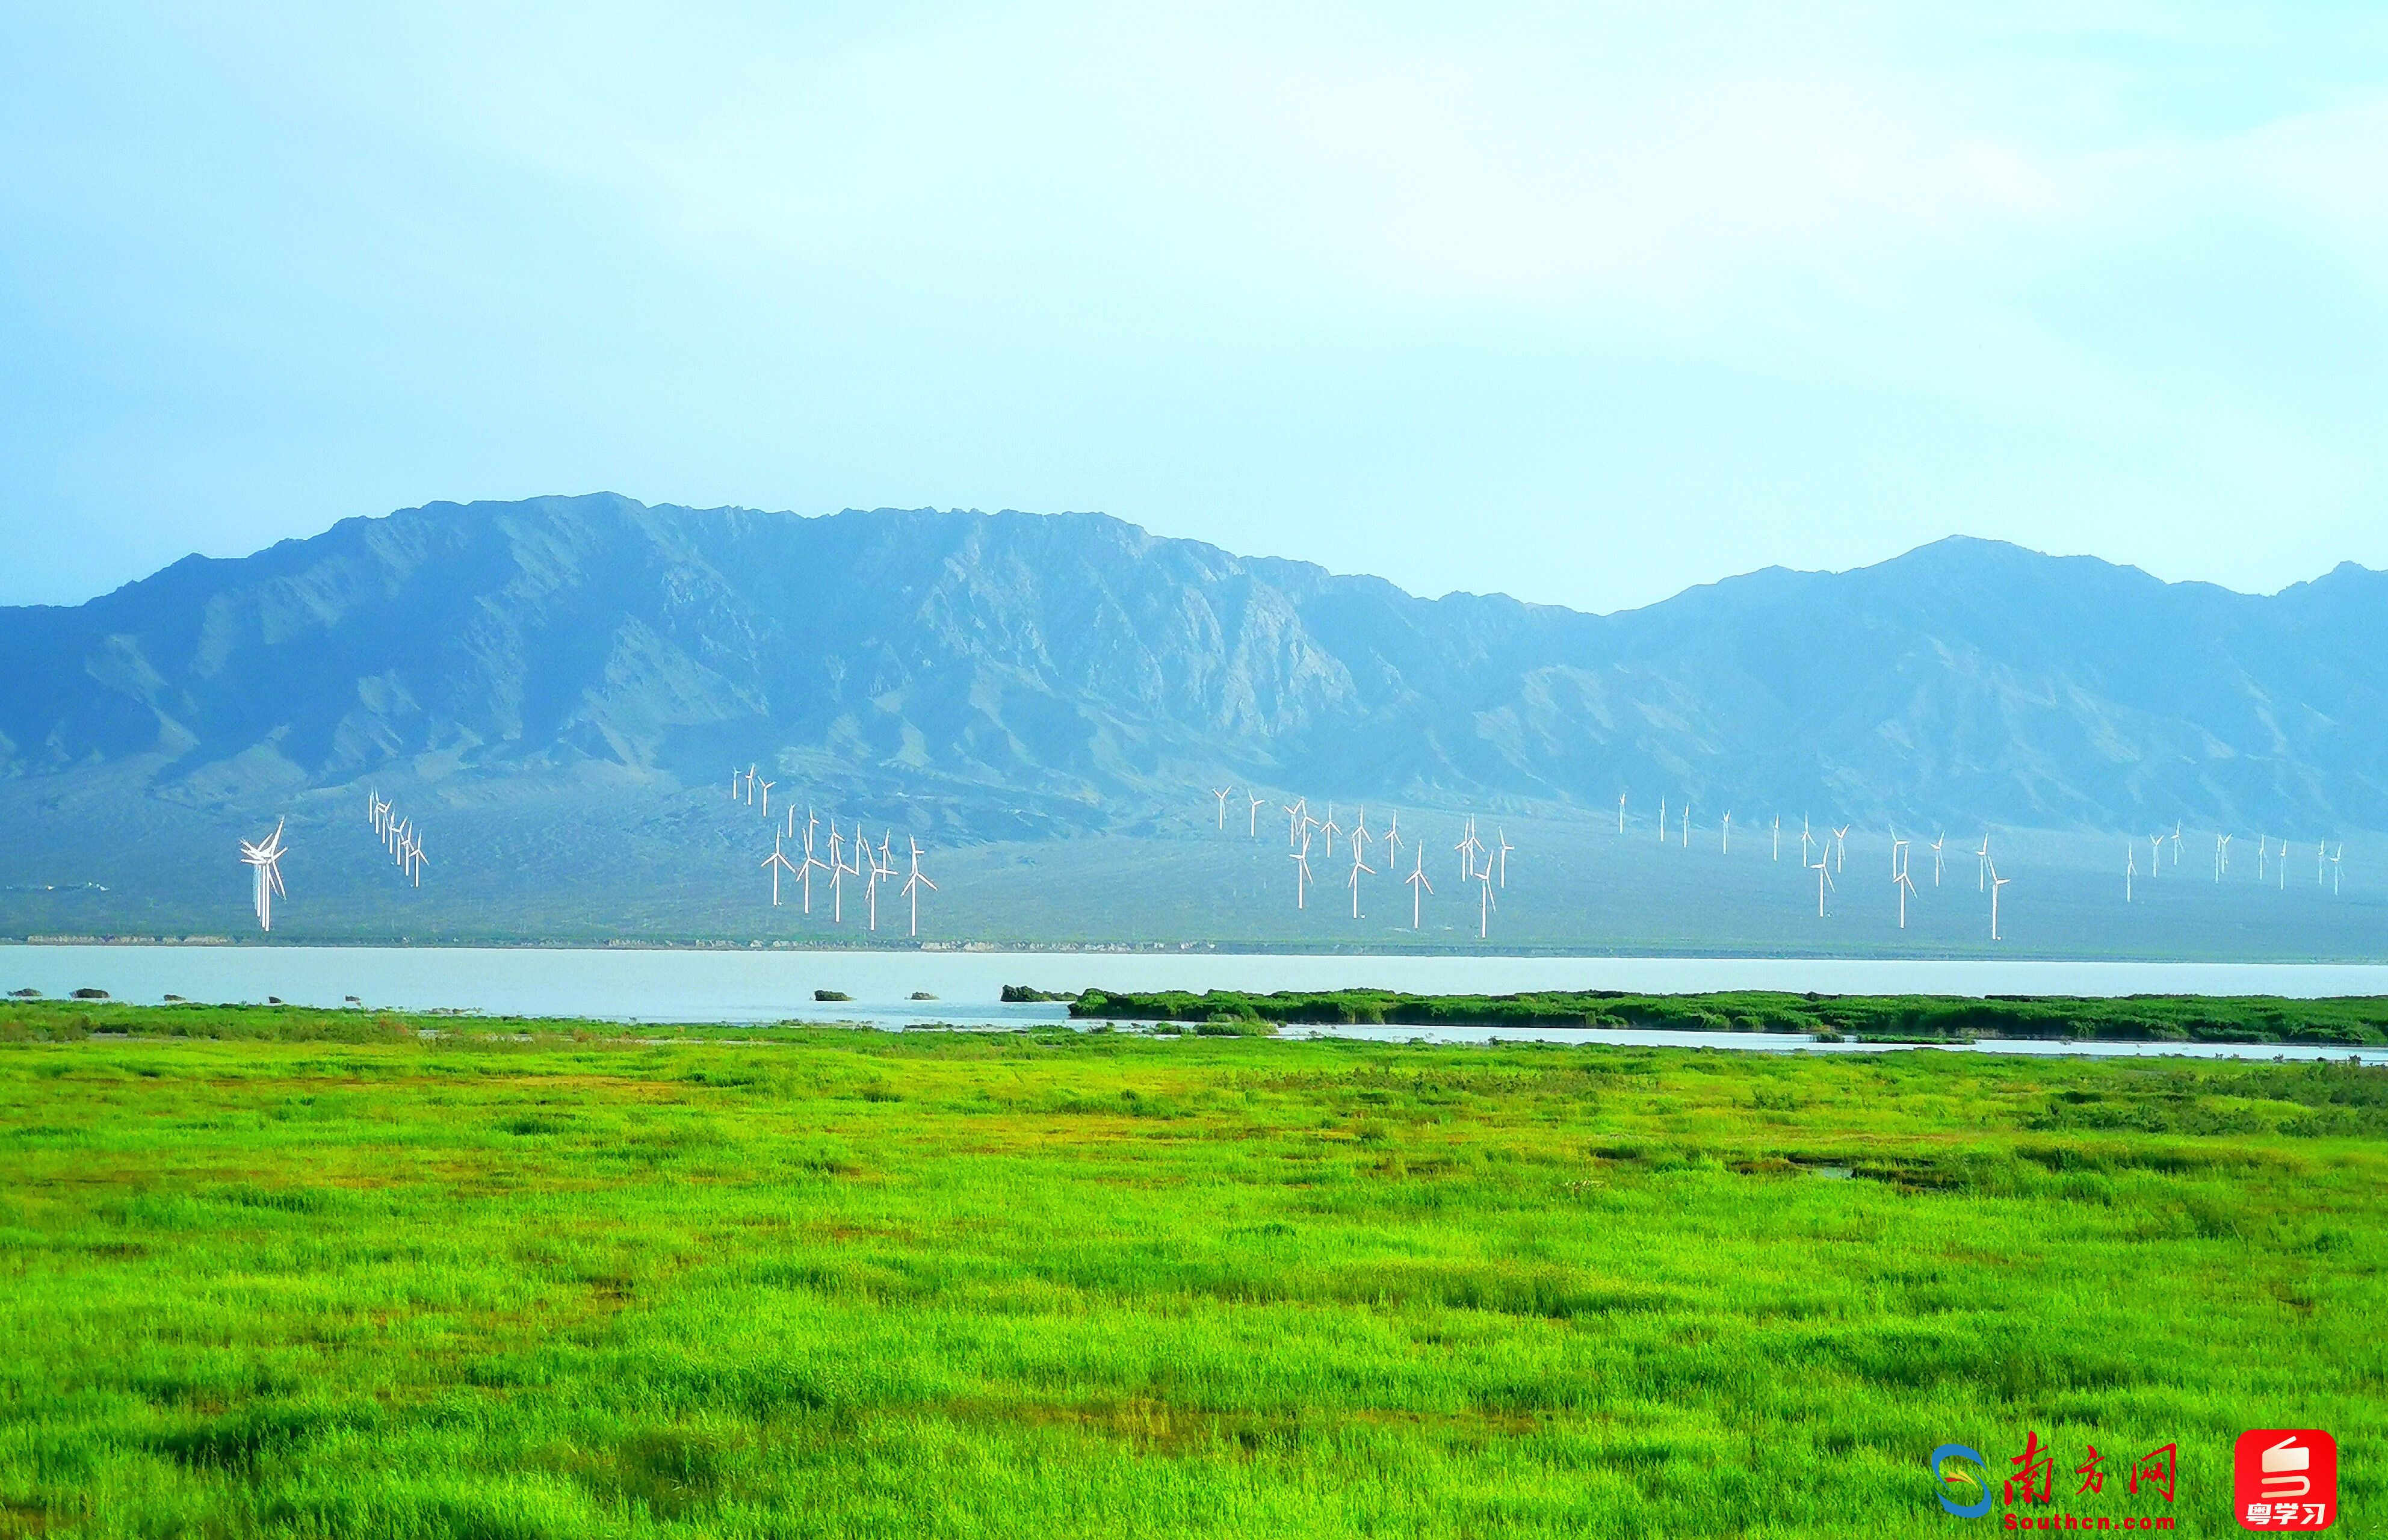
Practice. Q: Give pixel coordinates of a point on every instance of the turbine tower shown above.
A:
(1502, 855)
(1841, 849)
(1997, 883)
(1360, 837)
(1253, 815)
(1906, 888)
(1417, 880)
(812, 863)
(1824, 880)
(1222, 794)
(1937, 857)
(1484, 909)
(2221, 856)
(1301, 875)
(1982, 870)
(2130, 868)
(1621, 812)
(1393, 842)
(1727, 848)
(767, 797)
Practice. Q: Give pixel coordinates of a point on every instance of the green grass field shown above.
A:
(307, 1274)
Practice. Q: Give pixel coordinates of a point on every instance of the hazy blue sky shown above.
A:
(1583, 302)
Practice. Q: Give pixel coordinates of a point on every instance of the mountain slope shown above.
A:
(1073, 671)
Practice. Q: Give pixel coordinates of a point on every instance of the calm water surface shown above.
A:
(759, 986)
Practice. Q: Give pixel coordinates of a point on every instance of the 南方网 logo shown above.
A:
(1967, 1488)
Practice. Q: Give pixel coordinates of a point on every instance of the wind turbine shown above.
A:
(2334, 871)
(2155, 854)
(1360, 838)
(2321, 861)
(1358, 866)
(1936, 857)
(775, 863)
(2176, 842)
(1997, 883)
(1778, 837)
(1806, 839)
(1484, 911)
(264, 860)
(2262, 856)
(1981, 871)
(1662, 820)
(1222, 794)
(734, 778)
(2221, 856)
(880, 870)
(1301, 875)
(812, 863)
(1502, 855)
(1330, 828)
(1726, 849)
(1841, 849)
(1687, 823)
(1393, 842)
(750, 786)
(1621, 812)
(1898, 864)
(2130, 868)
(1824, 880)
(1417, 880)
(1297, 813)
(767, 797)
(1906, 888)
(1467, 849)
(1253, 815)
(913, 885)
(837, 874)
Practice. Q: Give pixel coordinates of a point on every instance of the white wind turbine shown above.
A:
(880, 870)
(1417, 880)
(1687, 823)
(2130, 868)
(416, 847)
(1358, 866)
(1360, 837)
(1467, 849)
(913, 885)
(1841, 849)
(1997, 883)
(775, 863)
(1297, 813)
(2262, 856)
(1778, 837)
(1330, 828)
(1621, 812)
(750, 786)
(813, 863)
(1484, 909)
(264, 860)
(2221, 856)
(791, 830)
(1824, 880)
(2321, 861)
(1301, 875)
(1727, 848)
(1982, 870)
(2155, 854)
(1936, 857)
(838, 871)
(1906, 889)
(1662, 820)
(1223, 793)
(1898, 855)
(735, 777)
(767, 797)
(1393, 842)
(1502, 855)
(2334, 871)
(1806, 839)
(2176, 842)
(1253, 815)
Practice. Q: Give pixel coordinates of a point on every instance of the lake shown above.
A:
(774, 985)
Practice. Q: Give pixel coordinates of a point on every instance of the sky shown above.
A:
(1582, 303)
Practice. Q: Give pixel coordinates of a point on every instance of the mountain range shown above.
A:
(1026, 673)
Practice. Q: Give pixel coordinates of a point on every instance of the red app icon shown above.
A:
(2284, 1478)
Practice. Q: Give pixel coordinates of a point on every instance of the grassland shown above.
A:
(320, 1274)
(2350, 1023)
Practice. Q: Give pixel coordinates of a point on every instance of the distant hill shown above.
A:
(1042, 673)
